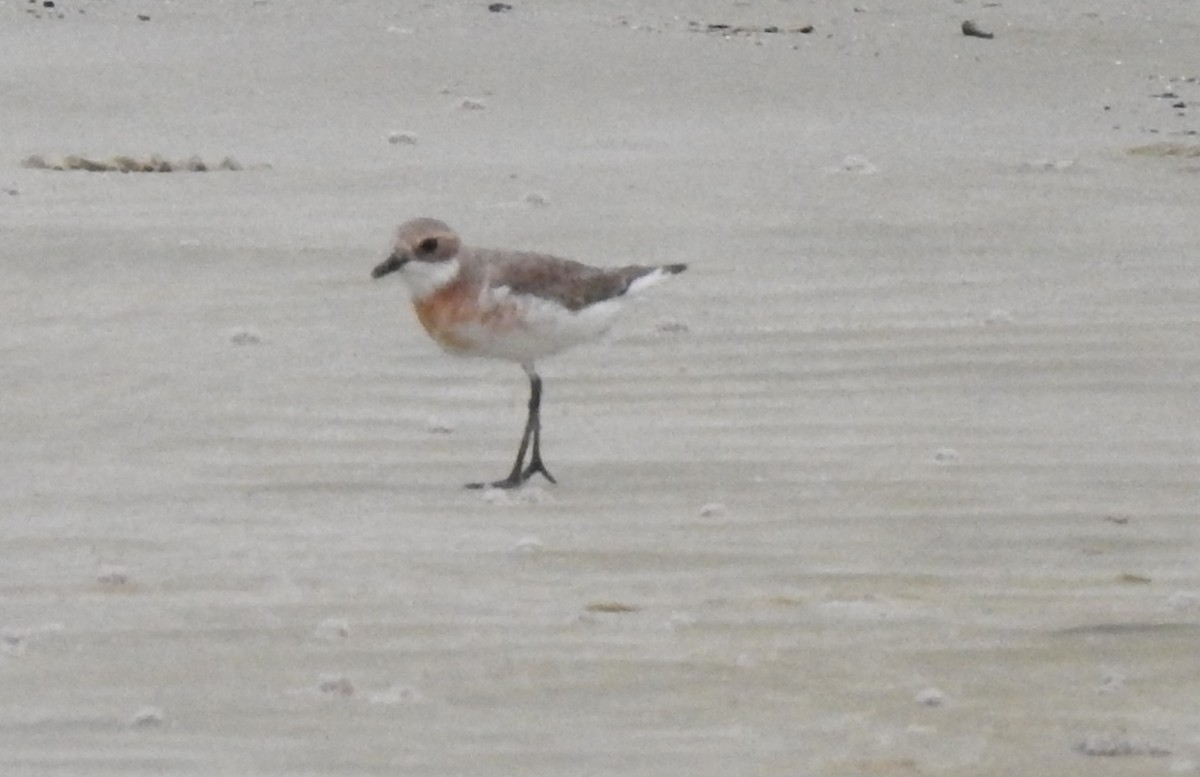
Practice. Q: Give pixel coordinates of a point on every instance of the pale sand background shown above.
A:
(950, 407)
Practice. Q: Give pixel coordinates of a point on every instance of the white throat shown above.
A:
(424, 278)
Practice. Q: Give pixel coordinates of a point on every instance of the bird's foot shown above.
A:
(508, 482)
(536, 466)
(517, 479)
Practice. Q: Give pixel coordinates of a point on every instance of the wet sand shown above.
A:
(898, 479)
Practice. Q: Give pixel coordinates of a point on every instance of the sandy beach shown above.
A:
(900, 478)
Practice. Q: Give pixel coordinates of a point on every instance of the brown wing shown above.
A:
(573, 285)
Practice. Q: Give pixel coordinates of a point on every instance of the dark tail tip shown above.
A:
(674, 269)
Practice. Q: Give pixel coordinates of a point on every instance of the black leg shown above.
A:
(535, 414)
(533, 429)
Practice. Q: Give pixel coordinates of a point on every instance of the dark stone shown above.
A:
(971, 31)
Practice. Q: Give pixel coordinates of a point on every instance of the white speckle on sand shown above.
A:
(148, 717)
(712, 510)
(397, 138)
(1184, 601)
(859, 165)
(525, 495)
(930, 697)
(396, 694)
(680, 620)
(998, 317)
(1183, 766)
(335, 685)
(745, 661)
(1049, 165)
(332, 629)
(528, 545)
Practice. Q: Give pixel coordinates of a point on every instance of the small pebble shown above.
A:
(499, 7)
(332, 629)
(671, 327)
(143, 17)
(436, 425)
(930, 697)
(148, 717)
(945, 456)
(336, 685)
(245, 337)
(858, 164)
(114, 576)
(12, 642)
(1111, 682)
(971, 30)
(1118, 745)
(402, 138)
(528, 545)
(470, 104)
(536, 200)
(712, 510)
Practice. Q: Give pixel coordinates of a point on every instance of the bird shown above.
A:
(518, 306)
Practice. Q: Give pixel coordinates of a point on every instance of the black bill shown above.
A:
(389, 265)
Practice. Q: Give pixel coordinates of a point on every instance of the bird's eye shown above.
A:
(428, 245)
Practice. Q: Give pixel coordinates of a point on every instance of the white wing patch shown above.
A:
(646, 281)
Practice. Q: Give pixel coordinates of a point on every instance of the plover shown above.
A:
(513, 305)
